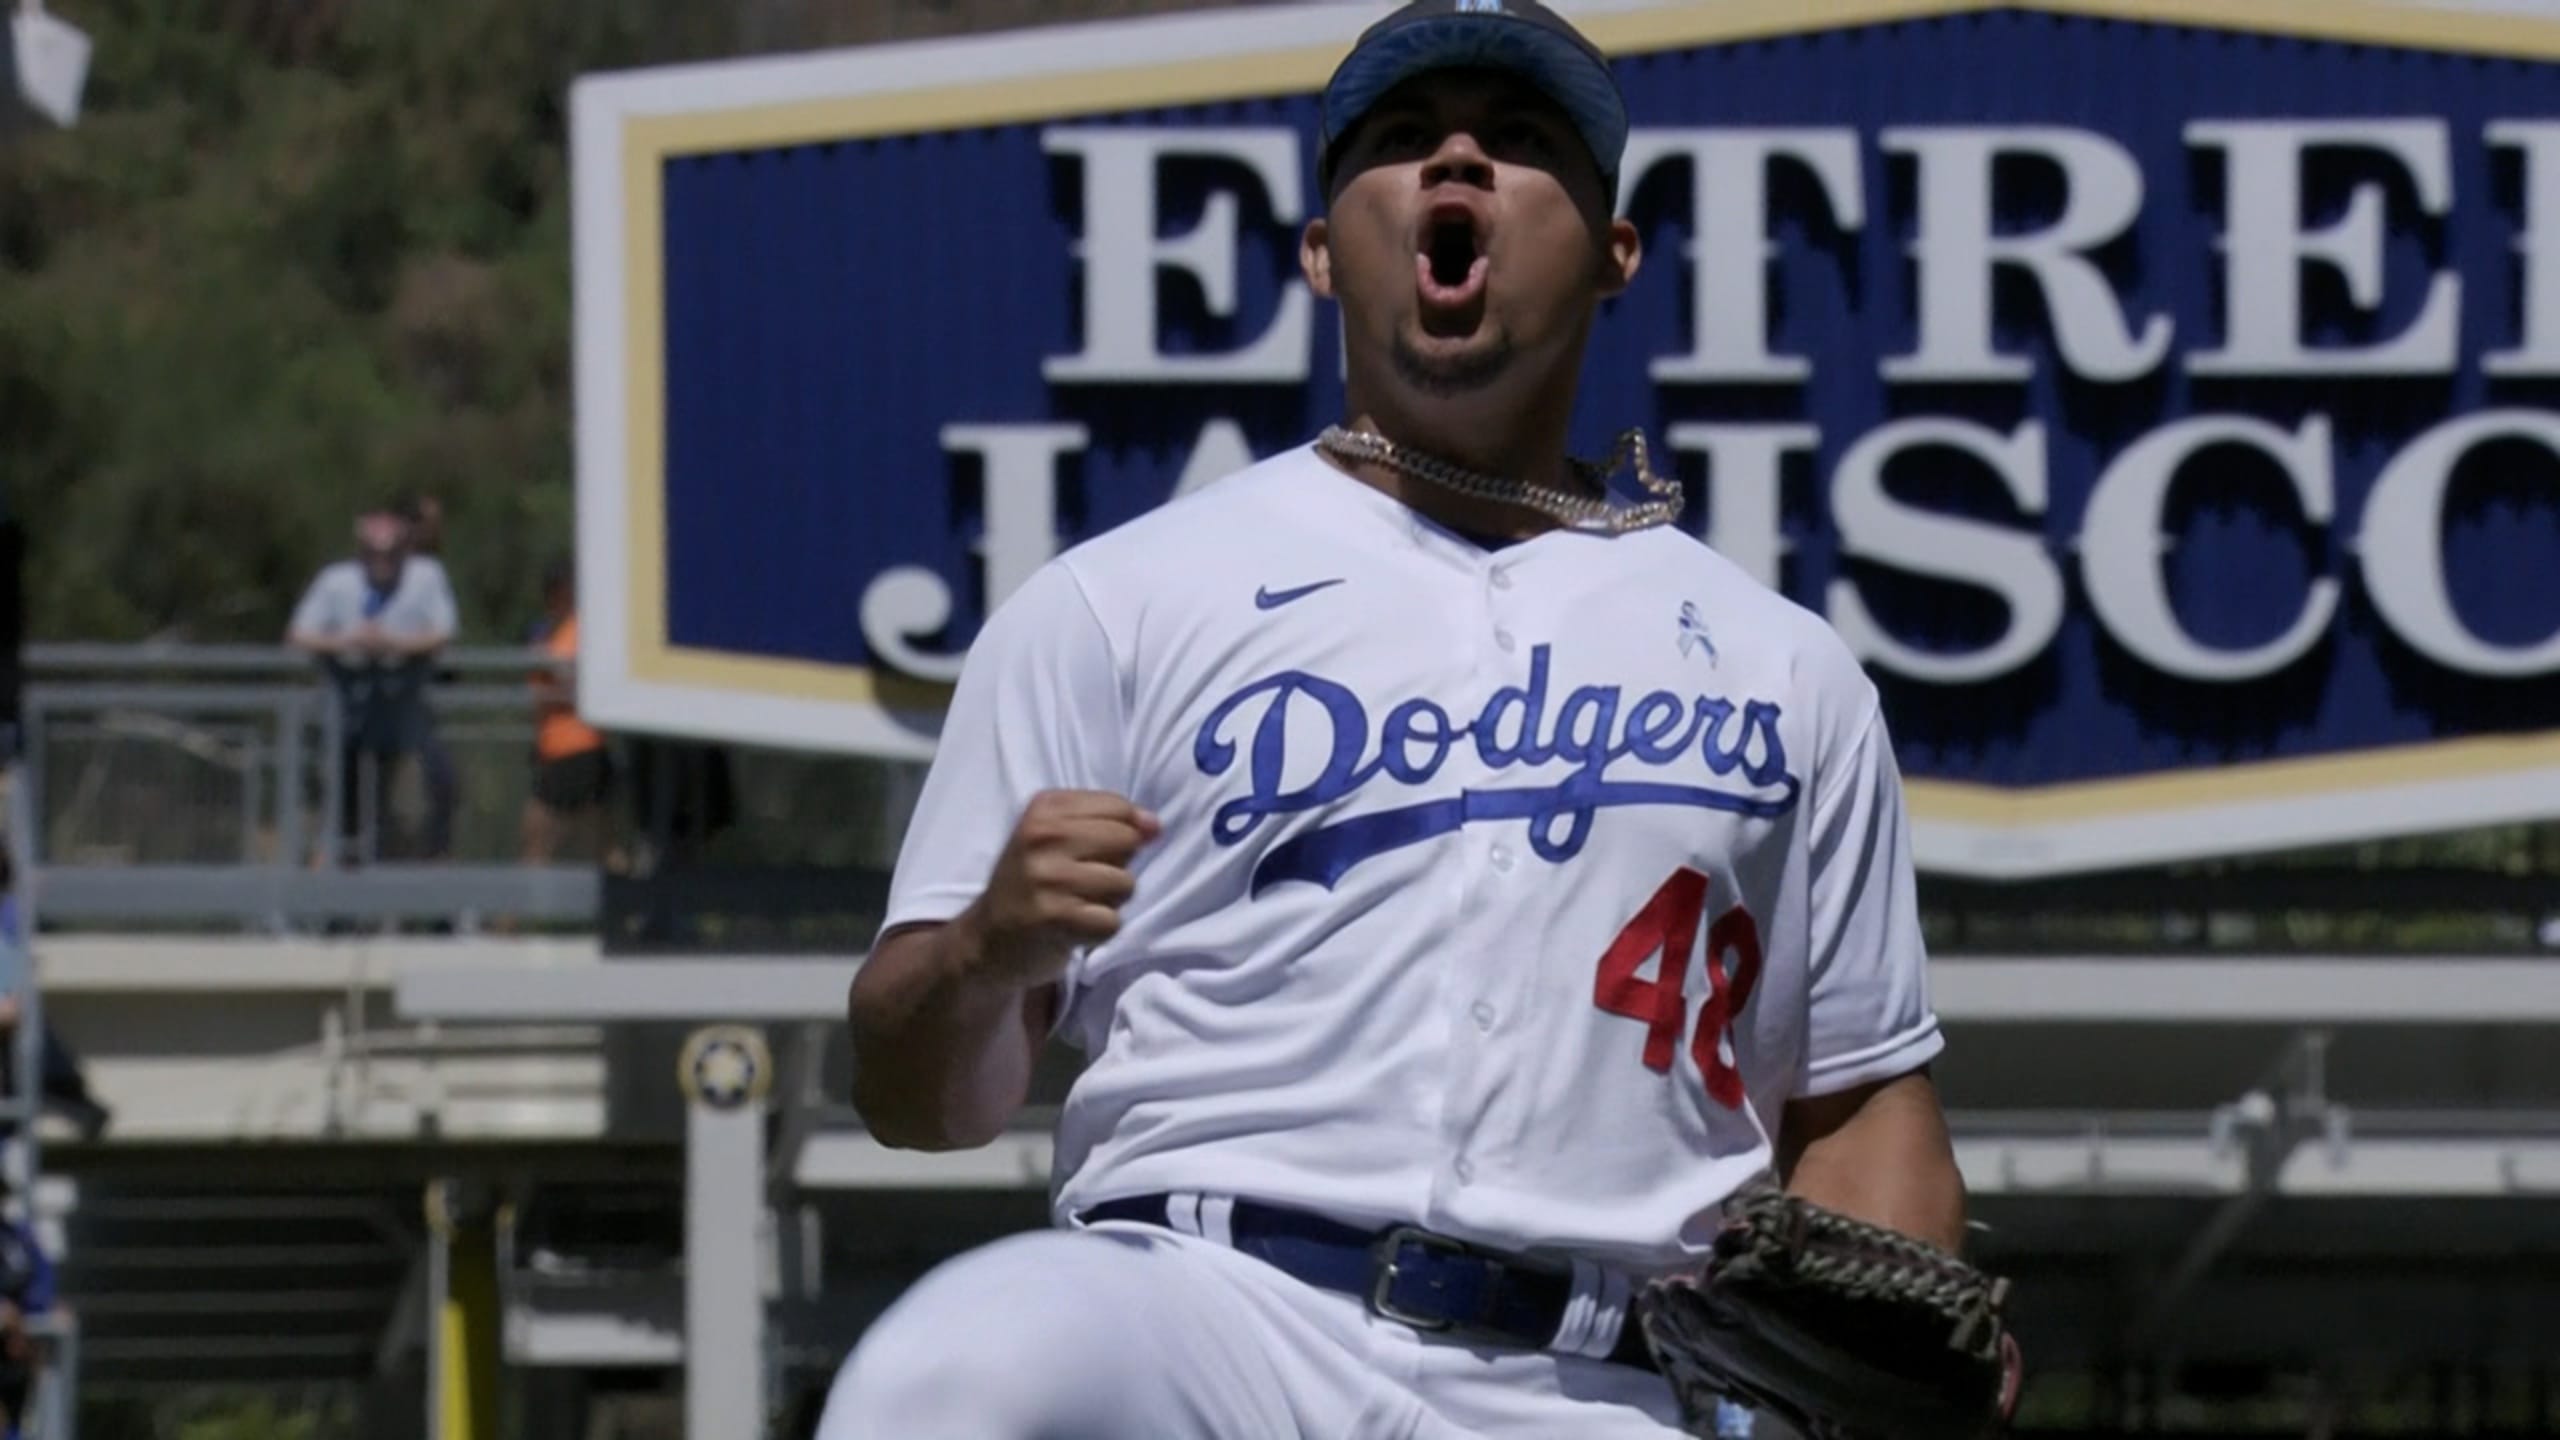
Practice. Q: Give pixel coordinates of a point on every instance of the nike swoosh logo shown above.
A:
(1267, 598)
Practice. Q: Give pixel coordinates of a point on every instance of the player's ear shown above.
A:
(1315, 257)
(1623, 258)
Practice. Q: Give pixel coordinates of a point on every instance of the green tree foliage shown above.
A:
(300, 256)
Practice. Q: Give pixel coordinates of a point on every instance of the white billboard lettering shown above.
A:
(1744, 504)
(1019, 480)
(2012, 564)
(1956, 249)
(908, 600)
(2123, 544)
(1020, 496)
(2537, 351)
(2401, 545)
(2266, 249)
(1122, 254)
(1730, 247)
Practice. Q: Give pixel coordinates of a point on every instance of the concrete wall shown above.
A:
(272, 1038)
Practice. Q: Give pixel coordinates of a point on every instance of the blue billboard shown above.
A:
(2167, 413)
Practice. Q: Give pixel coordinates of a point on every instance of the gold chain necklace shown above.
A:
(1594, 513)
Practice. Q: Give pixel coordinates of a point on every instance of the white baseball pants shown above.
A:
(1129, 1332)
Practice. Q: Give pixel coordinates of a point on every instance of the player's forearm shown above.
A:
(1885, 1158)
(942, 1058)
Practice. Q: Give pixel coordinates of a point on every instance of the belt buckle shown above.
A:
(1390, 1245)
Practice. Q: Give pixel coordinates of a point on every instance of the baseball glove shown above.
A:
(1836, 1328)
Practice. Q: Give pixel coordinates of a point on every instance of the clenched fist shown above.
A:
(1059, 883)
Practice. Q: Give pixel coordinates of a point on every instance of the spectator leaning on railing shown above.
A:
(425, 517)
(377, 621)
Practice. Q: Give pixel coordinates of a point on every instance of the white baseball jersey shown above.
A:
(1509, 892)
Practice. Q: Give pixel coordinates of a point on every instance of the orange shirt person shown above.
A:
(572, 765)
(560, 734)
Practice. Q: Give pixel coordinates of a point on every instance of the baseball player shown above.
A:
(1459, 877)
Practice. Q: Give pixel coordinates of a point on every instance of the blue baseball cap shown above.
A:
(1522, 37)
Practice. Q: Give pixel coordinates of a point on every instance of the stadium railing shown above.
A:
(199, 786)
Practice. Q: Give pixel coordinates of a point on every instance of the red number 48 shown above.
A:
(1668, 926)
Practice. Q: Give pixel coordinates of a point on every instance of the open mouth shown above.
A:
(1451, 260)
(1452, 251)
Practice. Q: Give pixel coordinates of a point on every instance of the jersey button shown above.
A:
(1501, 858)
(1503, 639)
(1466, 1172)
(1501, 577)
(1484, 1016)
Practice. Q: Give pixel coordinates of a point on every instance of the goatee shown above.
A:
(1449, 374)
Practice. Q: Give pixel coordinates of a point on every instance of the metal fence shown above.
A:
(206, 783)
(230, 757)
(200, 786)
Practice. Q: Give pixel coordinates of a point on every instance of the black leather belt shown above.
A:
(1431, 1282)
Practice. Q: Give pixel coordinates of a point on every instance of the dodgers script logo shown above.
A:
(1592, 730)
